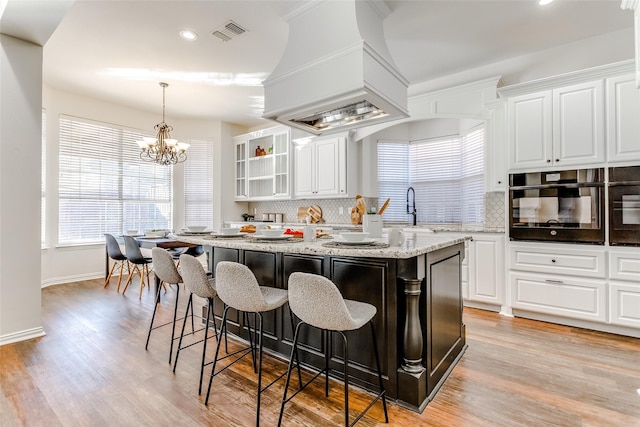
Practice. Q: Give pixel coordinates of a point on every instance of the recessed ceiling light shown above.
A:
(544, 2)
(188, 35)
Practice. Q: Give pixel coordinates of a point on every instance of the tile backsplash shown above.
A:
(493, 209)
(331, 208)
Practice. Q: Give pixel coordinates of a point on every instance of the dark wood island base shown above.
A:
(418, 324)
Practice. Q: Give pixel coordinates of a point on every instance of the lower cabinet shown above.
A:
(600, 285)
(486, 268)
(578, 298)
(624, 287)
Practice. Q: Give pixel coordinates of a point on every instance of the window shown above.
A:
(43, 177)
(104, 186)
(447, 174)
(198, 184)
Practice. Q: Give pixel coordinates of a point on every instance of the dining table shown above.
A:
(168, 242)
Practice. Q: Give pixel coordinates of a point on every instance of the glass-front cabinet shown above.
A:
(263, 164)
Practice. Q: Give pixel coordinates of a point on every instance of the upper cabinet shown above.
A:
(557, 128)
(321, 168)
(263, 164)
(496, 159)
(623, 119)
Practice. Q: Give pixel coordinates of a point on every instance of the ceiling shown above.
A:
(120, 50)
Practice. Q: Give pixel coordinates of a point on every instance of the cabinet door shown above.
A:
(327, 163)
(241, 170)
(624, 304)
(495, 166)
(578, 124)
(623, 119)
(574, 297)
(486, 269)
(530, 130)
(304, 159)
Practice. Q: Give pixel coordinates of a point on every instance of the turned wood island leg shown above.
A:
(412, 377)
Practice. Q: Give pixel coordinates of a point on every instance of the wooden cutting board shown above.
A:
(315, 212)
(303, 213)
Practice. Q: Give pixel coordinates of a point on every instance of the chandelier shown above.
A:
(163, 149)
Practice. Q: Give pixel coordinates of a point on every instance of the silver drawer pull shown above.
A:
(558, 282)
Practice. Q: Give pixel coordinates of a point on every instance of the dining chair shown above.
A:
(139, 261)
(119, 260)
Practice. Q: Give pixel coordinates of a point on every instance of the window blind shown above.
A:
(198, 184)
(393, 179)
(104, 187)
(447, 174)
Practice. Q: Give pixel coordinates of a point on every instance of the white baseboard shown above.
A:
(71, 279)
(27, 334)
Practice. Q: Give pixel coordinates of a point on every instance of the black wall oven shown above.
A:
(624, 206)
(559, 206)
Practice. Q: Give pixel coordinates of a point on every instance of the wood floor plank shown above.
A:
(91, 369)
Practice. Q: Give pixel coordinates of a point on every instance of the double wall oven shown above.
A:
(560, 206)
(569, 206)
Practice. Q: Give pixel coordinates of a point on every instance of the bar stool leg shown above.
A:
(215, 359)
(259, 316)
(184, 323)
(175, 315)
(345, 345)
(294, 350)
(153, 316)
(382, 390)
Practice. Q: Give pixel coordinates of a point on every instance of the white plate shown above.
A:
(261, 237)
(227, 235)
(195, 233)
(346, 242)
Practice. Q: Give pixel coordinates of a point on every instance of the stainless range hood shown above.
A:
(336, 72)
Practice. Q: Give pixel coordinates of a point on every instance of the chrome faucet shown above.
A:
(414, 212)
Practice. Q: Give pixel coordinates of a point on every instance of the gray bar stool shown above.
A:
(238, 288)
(317, 302)
(165, 270)
(195, 278)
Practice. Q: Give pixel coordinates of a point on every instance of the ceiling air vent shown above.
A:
(229, 31)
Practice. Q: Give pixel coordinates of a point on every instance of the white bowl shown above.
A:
(354, 236)
(160, 233)
(229, 231)
(196, 227)
(132, 232)
(272, 232)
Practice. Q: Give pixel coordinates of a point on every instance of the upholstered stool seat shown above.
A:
(317, 302)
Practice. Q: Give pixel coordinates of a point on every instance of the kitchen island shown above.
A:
(415, 288)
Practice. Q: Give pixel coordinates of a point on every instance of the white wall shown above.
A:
(20, 148)
(72, 263)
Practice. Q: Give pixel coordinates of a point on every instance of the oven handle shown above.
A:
(623, 183)
(569, 185)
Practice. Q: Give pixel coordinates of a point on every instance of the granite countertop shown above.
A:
(414, 244)
(434, 227)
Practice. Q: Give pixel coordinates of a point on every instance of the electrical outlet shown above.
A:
(340, 210)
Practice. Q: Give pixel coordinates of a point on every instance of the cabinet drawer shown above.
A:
(624, 304)
(572, 297)
(572, 261)
(625, 265)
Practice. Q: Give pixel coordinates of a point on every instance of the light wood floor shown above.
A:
(91, 369)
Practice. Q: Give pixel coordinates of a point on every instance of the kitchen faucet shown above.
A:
(414, 212)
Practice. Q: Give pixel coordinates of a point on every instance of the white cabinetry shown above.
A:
(560, 280)
(623, 119)
(496, 163)
(321, 168)
(624, 287)
(263, 176)
(558, 127)
(486, 268)
(483, 267)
